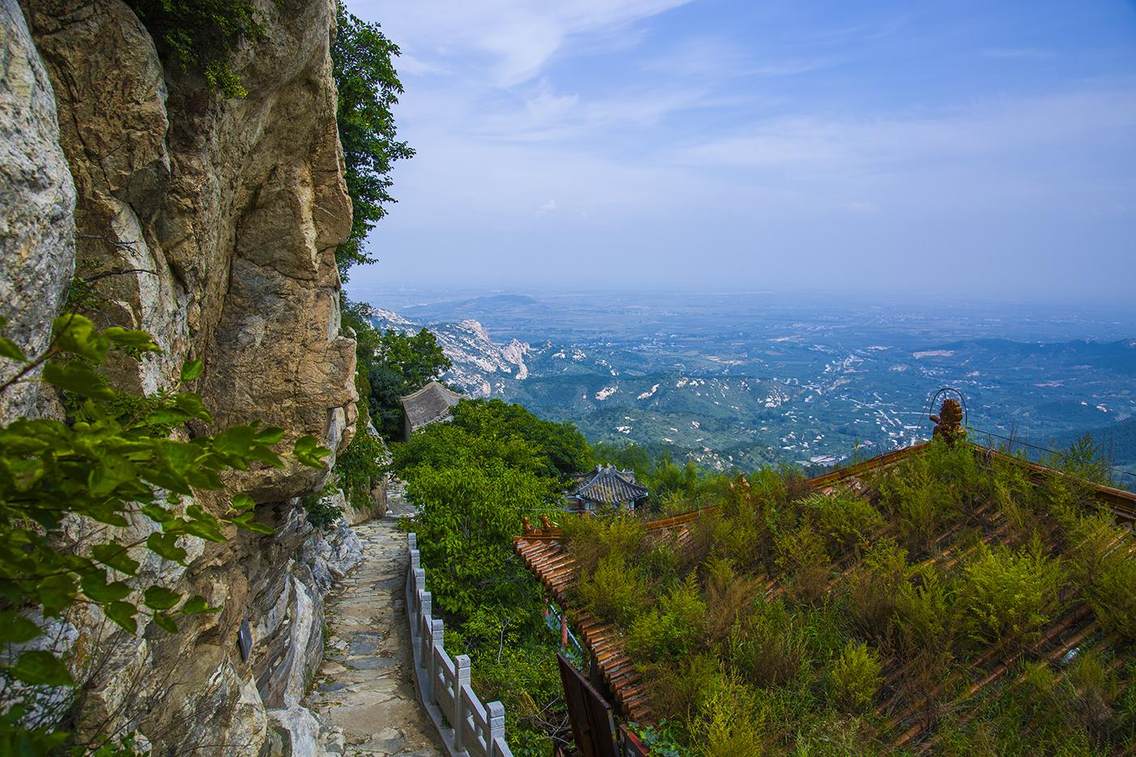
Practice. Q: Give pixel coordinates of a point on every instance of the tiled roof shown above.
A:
(430, 403)
(611, 486)
(548, 558)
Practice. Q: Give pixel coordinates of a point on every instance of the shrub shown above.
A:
(801, 555)
(202, 35)
(728, 721)
(675, 686)
(674, 628)
(872, 589)
(925, 615)
(591, 538)
(768, 647)
(1113, 596)
(926, 491)
(1007, 596)
(112, 463)
(321, 509)
(845, 520)
(615, 591)
(855, 677)
(729, 598)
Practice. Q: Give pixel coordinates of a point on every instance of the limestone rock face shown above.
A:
(37, 199)
(212, 224)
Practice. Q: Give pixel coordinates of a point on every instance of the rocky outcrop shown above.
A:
(37, 199)
(212, 224)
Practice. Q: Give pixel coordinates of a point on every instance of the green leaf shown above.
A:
(123, 614)
(270, 435)
(190, 404)
(191, 370)
(41, 668)
(96, 587)
(16, 629)
(110, 472)
(196, 605)
(116, 556)
(160, 598)
(77, 378)
(131, 339)
(56, 593)
(165, 622)
(11, 350)
(245, 522)
(243, 502)
(165, 545)
(78, 336)
(309, 452)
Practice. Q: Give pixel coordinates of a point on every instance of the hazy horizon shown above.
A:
(988, 149)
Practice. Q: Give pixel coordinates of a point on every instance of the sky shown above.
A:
(987, 148)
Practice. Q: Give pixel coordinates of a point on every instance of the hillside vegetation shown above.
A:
(948, 601)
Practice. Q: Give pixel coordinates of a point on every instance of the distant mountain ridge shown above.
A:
(480, 365)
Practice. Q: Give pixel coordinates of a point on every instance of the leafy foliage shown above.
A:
(113, 463)
(399, 365)
(1007, 596)
(363, 65)
(202, 35)
(855, 677)
(474, 480)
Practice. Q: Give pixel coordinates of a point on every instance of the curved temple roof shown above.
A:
(611, 486)
(429, 404)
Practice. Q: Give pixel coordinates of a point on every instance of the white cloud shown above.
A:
(518, 37)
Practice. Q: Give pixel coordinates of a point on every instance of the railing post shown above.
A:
(425, 608)
(496, 712)
(436, 631)
(457, 719)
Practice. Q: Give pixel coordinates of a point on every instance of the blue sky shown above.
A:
(785, 145)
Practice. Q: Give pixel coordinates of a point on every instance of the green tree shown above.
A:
(363, 64)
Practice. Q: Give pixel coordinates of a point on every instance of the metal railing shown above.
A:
(465, 725)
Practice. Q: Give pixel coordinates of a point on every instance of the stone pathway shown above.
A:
(364, 688)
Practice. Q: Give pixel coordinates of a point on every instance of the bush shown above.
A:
(1007, 596)
(855, 677)
(615, 591)
(728, 721)
(202, 35)
(801, 555)
(321, 509)
(845, 520)
(927, 491)
(768, 647)
(591, 538)
(113, 462)
(1113, 596)
(674, 628)
(925, 613)
(871, 589)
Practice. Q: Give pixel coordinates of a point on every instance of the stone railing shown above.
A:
(465, 725)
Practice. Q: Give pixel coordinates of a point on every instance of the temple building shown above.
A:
(430, 404)
(607, 486)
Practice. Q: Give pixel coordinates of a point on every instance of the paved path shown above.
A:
(364, 686)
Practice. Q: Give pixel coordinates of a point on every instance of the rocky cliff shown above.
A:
(212, 224)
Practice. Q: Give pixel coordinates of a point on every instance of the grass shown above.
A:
(949, 601)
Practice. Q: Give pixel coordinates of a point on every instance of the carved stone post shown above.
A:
(457, 717)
